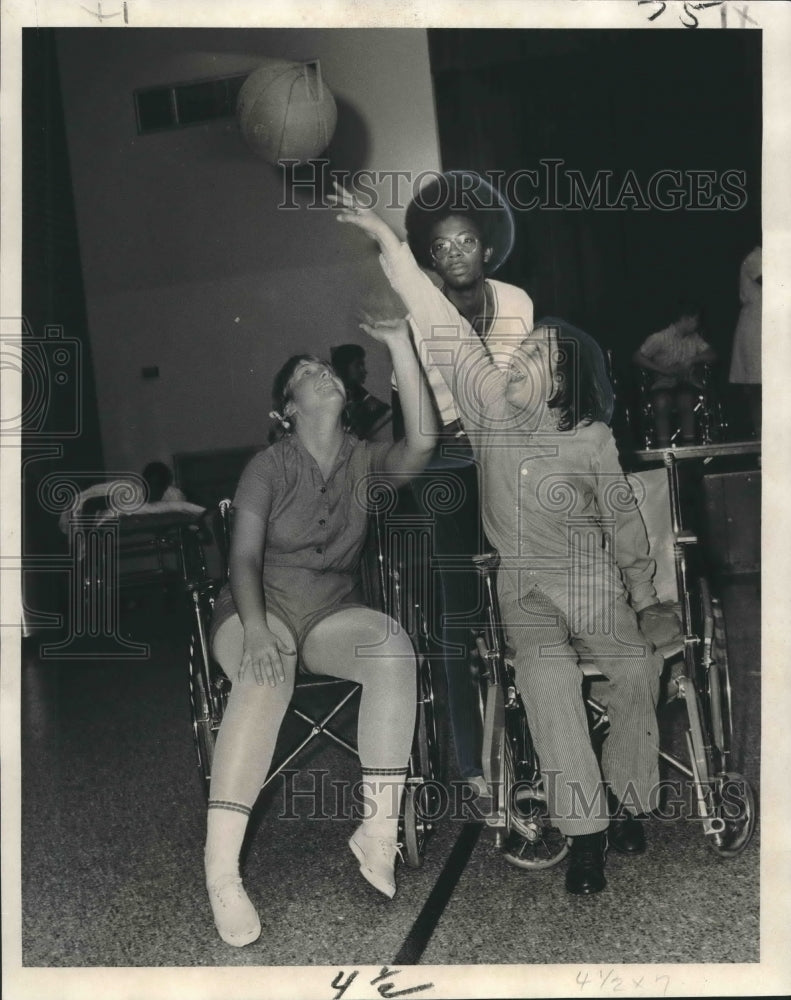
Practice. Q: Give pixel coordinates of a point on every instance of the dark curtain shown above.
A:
(59, 422)
(612, 100)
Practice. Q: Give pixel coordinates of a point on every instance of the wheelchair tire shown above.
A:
(718, 688)
(203, 731)
(207, 705)
(420, 805)
(531, 841)
(420, 796)
(428, 746)
(204, 741)
(734, 802)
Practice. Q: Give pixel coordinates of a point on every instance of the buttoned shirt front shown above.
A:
(315, 526)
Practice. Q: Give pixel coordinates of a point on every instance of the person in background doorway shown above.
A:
(746, 356)
(369, 417)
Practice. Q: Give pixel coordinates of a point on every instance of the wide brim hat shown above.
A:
(460, 192)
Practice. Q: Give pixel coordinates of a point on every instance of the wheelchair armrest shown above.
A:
(672, 649)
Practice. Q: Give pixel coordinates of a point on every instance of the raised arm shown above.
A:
(442, 336)
(410, 455)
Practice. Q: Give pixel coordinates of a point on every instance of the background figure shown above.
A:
(746, 357)
(674, 354)
(459, 228)
(159, 479)
(368, 416)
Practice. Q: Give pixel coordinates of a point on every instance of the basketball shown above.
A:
(286, 112)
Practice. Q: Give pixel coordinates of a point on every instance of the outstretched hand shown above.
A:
(387, 331)
(364, 218)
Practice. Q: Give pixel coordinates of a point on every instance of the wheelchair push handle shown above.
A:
(487, 562)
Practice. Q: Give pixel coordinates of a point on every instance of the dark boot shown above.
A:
(626, 833)
(585, 873)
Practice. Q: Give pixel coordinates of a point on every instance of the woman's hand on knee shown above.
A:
(263, 654)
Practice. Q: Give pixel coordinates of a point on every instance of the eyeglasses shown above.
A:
(465, 242)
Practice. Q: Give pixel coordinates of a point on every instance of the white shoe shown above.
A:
(377, 856)
(235, 916)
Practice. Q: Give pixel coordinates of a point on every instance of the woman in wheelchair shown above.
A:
(294, 603)
(574, 573)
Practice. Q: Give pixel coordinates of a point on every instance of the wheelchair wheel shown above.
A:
(208, 689)
(202, 731)
(531, 841)
(421, 807)
(718, 687)
(421, 796)
(733, 801)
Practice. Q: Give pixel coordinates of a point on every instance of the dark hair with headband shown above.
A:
(583, 391)
(460, 192)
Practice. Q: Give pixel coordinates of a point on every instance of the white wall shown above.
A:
(188, 263)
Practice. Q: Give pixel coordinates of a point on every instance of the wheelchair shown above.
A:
(209, 688)
(696, 673)
(711, 424)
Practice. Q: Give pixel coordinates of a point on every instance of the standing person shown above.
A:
(368, 416)
(550, 482)
(673, 355)
(746, 356)
(294, 597)
(459, 228)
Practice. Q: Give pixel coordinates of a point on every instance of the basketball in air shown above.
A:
(286, 112)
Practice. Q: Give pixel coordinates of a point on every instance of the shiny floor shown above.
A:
(113, 821)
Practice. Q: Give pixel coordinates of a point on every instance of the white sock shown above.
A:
(382, 789)
(226, 825)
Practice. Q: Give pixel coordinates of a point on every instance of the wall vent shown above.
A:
(179, 105)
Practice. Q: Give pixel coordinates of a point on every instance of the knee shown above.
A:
(247, 688)
(542, 674)
(394, 664)
(640, 673)
(662, 403)
(686, 400)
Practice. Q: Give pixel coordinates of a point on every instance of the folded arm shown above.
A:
(630, 539)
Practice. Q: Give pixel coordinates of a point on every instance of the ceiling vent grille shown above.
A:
(179, 105)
